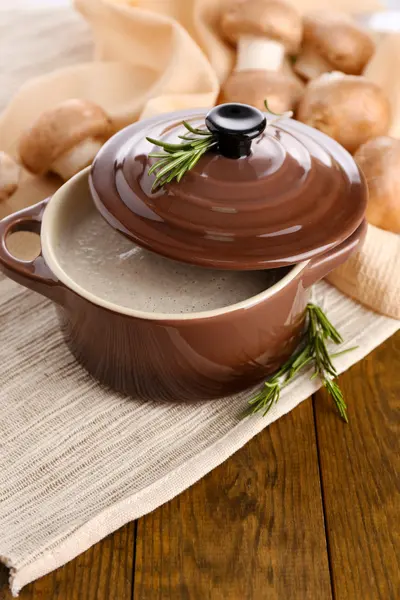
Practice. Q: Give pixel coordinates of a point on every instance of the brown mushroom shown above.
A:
(254, 86)
(379, 160)
(264, 31)
(333, 42)
(350, 109)
(10, 173)
(65, 139)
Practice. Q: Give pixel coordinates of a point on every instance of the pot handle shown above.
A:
(320, 266)
(33, 274)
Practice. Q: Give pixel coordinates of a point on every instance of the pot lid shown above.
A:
(265, 195)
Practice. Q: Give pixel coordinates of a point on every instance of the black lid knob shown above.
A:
(235, 126)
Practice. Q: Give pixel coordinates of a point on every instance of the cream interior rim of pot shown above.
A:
(50, 216)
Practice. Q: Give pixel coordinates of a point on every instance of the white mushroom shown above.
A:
(264, 31)
(65, 139)
(10, 173)
(348, 108)
(333, 42)
(379, 160)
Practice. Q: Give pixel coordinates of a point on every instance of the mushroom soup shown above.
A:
(111, 267)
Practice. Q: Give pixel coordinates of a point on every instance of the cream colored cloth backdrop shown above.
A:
(153, 56)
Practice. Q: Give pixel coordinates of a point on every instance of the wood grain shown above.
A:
(252, 529)
(104, 572)
(360, 465)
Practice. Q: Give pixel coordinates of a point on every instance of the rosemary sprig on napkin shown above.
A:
(314, 352)
(177, 159)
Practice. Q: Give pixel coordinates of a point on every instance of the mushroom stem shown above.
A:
(310, 65)
(259, 53)
(76, 159)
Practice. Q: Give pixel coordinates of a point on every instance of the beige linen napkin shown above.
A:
(78, 461)
(63, 433)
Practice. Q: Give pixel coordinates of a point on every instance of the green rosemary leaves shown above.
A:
(314, 352)
(177, 159)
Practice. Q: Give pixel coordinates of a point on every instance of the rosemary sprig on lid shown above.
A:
(177, 159)
(314, 352)
(288, 114)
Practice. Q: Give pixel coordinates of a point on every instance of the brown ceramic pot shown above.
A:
(182, 356)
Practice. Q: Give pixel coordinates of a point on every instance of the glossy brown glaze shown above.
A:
(184, 360)
(33, 274)
(297, 195)
(181, 359)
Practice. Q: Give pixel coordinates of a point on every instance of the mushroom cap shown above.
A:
(254, 86)
(350, 109)
(59, 129)
(379, 160)
(338, 39)
(10, 173)
(274, 19)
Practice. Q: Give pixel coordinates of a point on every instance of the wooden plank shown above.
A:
(252, 529)
(360, 468)
(104, 572)
(4, 591)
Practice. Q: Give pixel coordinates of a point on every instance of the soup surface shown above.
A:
(110, 266)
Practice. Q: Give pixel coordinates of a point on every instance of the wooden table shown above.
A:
(309, 509)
